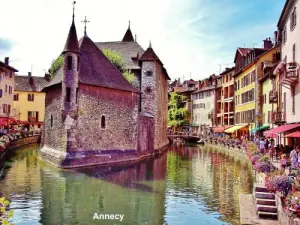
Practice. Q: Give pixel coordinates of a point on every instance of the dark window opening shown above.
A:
(78, 59)
(51, 121)
(16, 97)
(148, 90)
(70, 62)
(149, 73)
(30, 97)
(68, 99)
(103, 124)
(76, 95)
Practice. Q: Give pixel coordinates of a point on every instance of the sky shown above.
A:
(193, 38)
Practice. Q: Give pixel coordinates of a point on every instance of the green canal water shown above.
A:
(186, 185)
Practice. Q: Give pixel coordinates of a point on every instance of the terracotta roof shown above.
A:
(129, 50)
(96, 69)
(2, 64)
(72, 41)
(128, 36)
(35, 84)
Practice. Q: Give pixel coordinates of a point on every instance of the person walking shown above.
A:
(262, 146)
(294, 158)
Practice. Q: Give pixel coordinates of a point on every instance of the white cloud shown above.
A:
(183, 35)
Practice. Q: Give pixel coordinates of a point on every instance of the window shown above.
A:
(284, 35)
(294, 52)
(16, 97)
(51, 121)
(10, 90)
(76, 95)
(265, 98)
(0, 93)
(30, 97)
(10, 74)
(70, 62)
(103, 123)
(149, 73)
(4, 106)
(148, 90)
(293, 19)
(8, 109)
(285, 59)
(78, 60)
(68, 94)
(5, 88)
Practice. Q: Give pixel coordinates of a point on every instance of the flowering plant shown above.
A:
(254, 159)
(264, 167)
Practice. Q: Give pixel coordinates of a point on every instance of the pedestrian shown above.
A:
(262, 146)
(271, 149)
(267, 144)
(294, 158)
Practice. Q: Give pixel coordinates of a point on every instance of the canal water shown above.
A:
(186, 185)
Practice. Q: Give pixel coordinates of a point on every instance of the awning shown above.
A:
(218, 129)
(261, 128)
(5, 120)
(234, 128)
(294, 135)
(281, 129)
(279, 68)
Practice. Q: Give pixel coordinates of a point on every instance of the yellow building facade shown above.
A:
(29, 101)
(250, 93)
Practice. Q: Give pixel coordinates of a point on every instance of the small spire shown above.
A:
(85, 21)
(150, 46)
(135, 37)
(73, 11)
(129, 24)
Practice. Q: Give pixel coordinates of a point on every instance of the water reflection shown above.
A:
(187, 185)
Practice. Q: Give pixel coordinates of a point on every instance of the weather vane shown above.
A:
(74, 9)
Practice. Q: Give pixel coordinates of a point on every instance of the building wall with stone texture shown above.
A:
(155, 100)
(54, 137)
(120, 111)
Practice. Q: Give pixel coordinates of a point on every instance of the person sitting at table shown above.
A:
(294, 158)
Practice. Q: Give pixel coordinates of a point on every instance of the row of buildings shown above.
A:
(260, 94)
(21, 100)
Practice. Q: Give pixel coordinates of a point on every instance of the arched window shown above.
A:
(70, 62)
(51, 121)
(103, 122)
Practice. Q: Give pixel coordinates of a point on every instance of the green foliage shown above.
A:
(129, 76)
(177, 114)
(264, 158)
(5, 215)
(56, 65)
(117, 59)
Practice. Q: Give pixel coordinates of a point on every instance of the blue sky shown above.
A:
(190, 36)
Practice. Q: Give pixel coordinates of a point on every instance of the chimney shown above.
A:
(6, 60)
(29, 74)
(268, 43)
(47, 77)
(227, 68)
(275, 37)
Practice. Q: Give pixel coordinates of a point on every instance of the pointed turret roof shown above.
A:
(72, 41)
(128, 37)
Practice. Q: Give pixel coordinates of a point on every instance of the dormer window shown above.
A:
(70, 62)
(149, 73)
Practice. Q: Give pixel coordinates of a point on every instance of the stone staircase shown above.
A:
(265, 203)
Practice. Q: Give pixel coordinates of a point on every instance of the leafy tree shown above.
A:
(177, 114)
(5, 215)
(56, 64)
(117, 59)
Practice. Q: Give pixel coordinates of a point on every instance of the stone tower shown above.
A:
(154, 100)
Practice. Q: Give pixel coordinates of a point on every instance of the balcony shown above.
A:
(291, 75)
(278, 118)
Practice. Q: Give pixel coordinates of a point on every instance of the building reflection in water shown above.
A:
(184, 186)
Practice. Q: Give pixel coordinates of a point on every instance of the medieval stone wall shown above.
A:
(120, 111)
(55, 136)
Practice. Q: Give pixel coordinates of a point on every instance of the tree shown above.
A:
(5, 214)
(177, 114)
(56, 65)
(117, 59)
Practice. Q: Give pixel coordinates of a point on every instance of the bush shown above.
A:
(5, 214)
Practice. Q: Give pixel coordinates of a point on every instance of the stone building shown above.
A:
(92, 113)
